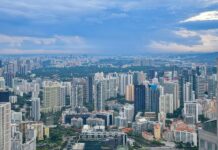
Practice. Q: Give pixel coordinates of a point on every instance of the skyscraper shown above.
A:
(138, 78)
(165, 103)
(36, 109)
(53, 96)
(187, 92)
(2, 83)
(1, 64)
(4, 96)
(5, 126)
(8, 78)
(212, 86)
(129, 112)
(77, 96)
(201, 85)
(104, 89)
(122, 84)
(100, 92)
(124, 80)
(139, 98)
(191, 112)
(90, 90)
(190, 105)
(154, 95)
(129, 92)
(172, 87)
(151, 74)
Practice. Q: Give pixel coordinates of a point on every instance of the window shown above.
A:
(210, 126)
(209, 146)
(202, 143)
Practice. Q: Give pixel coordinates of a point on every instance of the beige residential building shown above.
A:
(157, 131)
(53, 96)
(130, 92)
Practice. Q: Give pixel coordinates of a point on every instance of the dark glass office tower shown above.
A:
(90, 90)
(154, 94)
(139, 102)
(4, 96)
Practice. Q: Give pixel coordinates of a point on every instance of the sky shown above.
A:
(108, 26)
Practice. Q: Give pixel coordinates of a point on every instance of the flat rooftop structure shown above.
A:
(79, 146)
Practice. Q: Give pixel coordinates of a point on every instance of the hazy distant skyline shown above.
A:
(108, 26)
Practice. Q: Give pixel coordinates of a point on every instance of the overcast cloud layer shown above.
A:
(108, 26)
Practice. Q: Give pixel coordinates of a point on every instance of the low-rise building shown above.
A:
(181, 132)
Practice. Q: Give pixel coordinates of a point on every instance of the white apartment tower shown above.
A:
(172, 87)
(166, 103)
(2, 83)
(188, 94)
(36, 109)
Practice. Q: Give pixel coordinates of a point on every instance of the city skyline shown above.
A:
(108, 74)
(81, 102)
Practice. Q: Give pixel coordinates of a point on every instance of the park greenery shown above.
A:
(140, 142)
(202, 118)
(185, 146)
(58, 138)
(176, 113)
(67, 73)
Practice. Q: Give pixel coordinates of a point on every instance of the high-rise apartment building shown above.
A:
(8, 78)
(129, 92)
(124, 80)
(5, 126)
(138, 78)
(2, 83)
(36, 109)
(77, 99)
(172, 87)
(128, 111)
(191, 112)
(104, 89)
(201, 87)
(188, 94)
(212, 86)
(53, 96)
(166, 103)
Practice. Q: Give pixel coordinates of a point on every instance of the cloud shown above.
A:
(204, 16)
(42, 51)
(185, 33)
(54, 9)
(18, 41)
(55, 44)
(118, 15)
(38, 8)
(208, 42)
(35, 51)
(110, 25)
